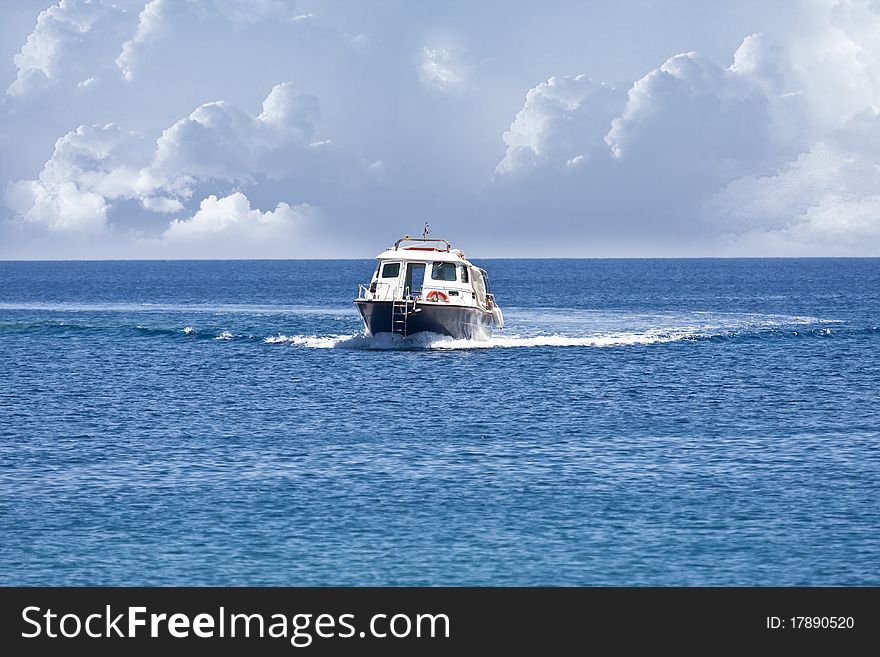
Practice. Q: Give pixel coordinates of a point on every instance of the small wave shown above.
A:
(188, 330)
(314, 341)
(225, 335)
(208, 308)
(153, 330)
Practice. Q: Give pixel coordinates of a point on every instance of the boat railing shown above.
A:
(364, 292)
(422, 240)
(392, 293)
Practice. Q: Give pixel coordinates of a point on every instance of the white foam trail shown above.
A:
(383, 341)
(603, 329)
(314, 341)
(611, 340)
(359, 341)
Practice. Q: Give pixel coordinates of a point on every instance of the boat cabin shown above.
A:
(427, 271)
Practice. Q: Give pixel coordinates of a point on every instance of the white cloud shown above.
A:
(63, 208)
(232, 216)
(444, 68)
(562, 120)
(827, 198)
(98, 164)
(779, 199)
(162, 204)
(98, 158)
(151, 20)
(834, 61)
(773, 149)
(224, 142)
(70, 41)
(88, 166)
(692, 108)
(159, 19)
(229, 227)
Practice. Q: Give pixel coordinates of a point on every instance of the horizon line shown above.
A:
(812, 257)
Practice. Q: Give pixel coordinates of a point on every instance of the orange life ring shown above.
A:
(437, 295)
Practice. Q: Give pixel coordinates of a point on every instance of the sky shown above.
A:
(329, 128)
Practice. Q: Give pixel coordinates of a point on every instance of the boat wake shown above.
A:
(585, 329)
(544, 327)
(421, 341)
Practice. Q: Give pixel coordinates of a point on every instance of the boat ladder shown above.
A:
(400, 311)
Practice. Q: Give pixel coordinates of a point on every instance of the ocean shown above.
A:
(637, 422)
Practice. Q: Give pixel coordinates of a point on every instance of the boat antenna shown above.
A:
(426, 230)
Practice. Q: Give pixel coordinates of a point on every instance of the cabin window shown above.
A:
(443, 271)
(464, 274)
(391, 270)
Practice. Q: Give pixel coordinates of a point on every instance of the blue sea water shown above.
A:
(639, 422)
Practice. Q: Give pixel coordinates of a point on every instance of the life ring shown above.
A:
(437, 295)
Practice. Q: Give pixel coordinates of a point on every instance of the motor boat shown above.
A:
(424, 285)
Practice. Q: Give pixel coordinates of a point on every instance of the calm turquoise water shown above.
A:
(637, 422)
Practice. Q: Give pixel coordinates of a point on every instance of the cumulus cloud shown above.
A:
(92, 166)
(827, 198)
(562, 121)
(661, 109)
(89, 165)
(158, 18)
(64, 208)
(151, 20)
(635, 165)
(71, 40)
(221, 141)
(771, 149)
(98, 158)
(229, 227)
(689, 109)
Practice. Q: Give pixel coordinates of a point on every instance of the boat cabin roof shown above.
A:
(421, 249)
